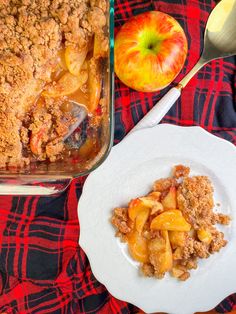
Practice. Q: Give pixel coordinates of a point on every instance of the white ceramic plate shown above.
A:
(133, 165)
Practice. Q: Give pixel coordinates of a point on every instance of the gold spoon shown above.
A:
(219, 42)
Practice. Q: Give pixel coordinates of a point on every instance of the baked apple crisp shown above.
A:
(50, 55)
(173, 226)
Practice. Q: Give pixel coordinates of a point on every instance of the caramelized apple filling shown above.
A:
(171, 227)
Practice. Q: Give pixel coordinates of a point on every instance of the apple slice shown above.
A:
(154, 195)
(172, 220)
(177, 238)
(94, 84)
(98, 51)
(150, 202)
(161, 254)
(36, 140)
(136, 206)
(61, 59)
(138, 246)
(151, 199)
(141, 219)
(177, 272)
(170, 200)
(204, 235)
(178, 253)
(74, 58)
(67, 84)
(157, 209)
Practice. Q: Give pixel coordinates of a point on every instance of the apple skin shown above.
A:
(150, 51)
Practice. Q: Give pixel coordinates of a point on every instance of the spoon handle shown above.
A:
(154, 116)
(201, 62)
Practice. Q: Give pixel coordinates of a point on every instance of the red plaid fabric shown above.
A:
(42, 268)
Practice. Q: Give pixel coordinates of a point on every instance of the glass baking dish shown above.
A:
(45, 178)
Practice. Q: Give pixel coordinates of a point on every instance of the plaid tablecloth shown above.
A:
(42, 268)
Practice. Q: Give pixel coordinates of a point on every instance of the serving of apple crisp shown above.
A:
(50, 52)
(173, 226)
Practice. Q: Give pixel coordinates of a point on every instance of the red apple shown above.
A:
(150, 51)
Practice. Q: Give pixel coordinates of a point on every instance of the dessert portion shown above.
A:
(50, 55)
(173, 226)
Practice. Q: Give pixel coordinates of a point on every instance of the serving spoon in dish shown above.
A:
(219, 42)
(79, 112)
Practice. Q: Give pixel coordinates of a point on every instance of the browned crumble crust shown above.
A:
(148, 270)
(180, 171)
(120, 220)
(222, 219)
(162, 185)
(195, 200)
